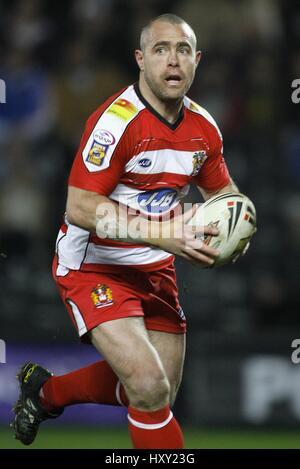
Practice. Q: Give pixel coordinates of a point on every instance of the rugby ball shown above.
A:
(234, 215)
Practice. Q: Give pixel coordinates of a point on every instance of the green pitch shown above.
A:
(116, 438)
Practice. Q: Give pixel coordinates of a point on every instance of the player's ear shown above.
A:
(139, 57)
(198, 57)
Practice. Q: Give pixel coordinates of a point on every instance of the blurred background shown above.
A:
(60, 61)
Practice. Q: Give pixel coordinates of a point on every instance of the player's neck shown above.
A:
(169, 110)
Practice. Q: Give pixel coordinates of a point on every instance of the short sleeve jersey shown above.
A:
(132, 155)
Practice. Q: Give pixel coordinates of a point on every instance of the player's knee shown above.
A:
(150, 392)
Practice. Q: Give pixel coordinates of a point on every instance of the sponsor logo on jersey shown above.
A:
(123, 109)
(145, 162)
(157, 201)
(102, 295)
(102, 139)
(198, 159)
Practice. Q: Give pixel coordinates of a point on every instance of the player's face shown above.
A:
(169, 60)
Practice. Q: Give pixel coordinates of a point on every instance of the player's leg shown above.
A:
(134, 359)
(94, 383)
(171, 350)
(98, 383)
(44, 396)
(126, 346)
(166, 324)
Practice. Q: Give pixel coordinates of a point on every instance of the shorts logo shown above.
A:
(123, 109)
(102, 139)
(157, 201)
(198, 159)
(101, 295)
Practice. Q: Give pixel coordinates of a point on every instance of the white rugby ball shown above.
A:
(235, 217)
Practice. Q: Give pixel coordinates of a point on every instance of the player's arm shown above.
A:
(230, 187)
(82, 207)
(99, 214)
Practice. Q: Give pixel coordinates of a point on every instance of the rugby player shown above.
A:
(138, 154)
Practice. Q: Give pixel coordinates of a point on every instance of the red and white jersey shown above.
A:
(132, 155)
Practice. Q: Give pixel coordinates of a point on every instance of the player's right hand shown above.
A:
(181, 239)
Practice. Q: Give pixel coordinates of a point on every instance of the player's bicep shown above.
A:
(77, 197)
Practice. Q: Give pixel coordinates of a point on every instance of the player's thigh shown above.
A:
(125, 344)
(171, 349)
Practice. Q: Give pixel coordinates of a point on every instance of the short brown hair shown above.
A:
(167, 18)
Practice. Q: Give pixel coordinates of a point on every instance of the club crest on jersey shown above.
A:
(157, 201)
(198, 159)
(101, 295)
(102, 139)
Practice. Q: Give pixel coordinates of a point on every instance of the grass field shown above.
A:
(116, 438)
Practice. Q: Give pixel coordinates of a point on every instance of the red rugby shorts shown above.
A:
(92, 298)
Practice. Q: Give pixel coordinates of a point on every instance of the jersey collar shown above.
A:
(156, 114)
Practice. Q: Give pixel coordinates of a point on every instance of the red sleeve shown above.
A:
(214, 174)
(102, 155)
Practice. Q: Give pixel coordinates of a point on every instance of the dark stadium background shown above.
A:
(60, 60)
